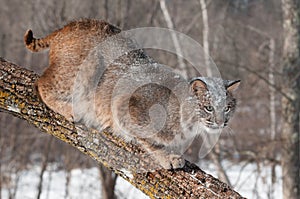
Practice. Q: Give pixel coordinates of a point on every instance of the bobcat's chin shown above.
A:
(213, 128)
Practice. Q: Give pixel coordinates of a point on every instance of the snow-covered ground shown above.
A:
(252, 181)
(248, 180)
(84, 184)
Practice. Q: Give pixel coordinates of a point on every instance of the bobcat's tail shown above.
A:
(34, 44)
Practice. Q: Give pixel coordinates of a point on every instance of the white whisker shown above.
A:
(228, 131)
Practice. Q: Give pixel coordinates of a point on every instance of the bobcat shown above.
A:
(80, 84)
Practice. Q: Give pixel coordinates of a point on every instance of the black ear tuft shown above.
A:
(28, 37)
(110, 29)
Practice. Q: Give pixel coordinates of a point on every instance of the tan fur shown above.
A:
(69, 46)
(67, 87)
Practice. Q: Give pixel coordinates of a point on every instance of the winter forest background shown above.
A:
(245, 41)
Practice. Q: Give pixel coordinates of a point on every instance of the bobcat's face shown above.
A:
(215, 101)
(215, 117)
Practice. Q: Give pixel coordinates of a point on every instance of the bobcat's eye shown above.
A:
(227, 109)
(208, 109)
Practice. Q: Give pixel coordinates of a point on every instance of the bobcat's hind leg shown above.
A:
(55, 100)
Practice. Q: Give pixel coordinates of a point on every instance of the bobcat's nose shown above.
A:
(220, 123)
(220, 120)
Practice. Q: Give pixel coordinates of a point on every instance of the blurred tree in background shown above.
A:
(291, 101)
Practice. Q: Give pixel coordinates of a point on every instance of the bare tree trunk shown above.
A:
(177, 46)
(2, 47)
(67, 185)
(1, 161)
(272, 111)
(291, 104)
(108, 180)
(152, 13)
(118, 13)
(106, 14)
(216, 158)
(0, 170)
(124, 12)
(215, 155)
(49, 184)
(205, 37)
(272, 89)
(44, 167)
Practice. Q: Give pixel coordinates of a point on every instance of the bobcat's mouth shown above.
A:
(216, 127)
(213, 125)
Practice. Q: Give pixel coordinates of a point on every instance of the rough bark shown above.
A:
(18, 97)
(291, 103)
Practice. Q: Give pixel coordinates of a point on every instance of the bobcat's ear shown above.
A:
(197, 85)
(233, 85)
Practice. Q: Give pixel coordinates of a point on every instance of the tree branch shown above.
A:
(19, 98)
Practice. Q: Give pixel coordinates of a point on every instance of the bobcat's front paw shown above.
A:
(172, 161)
